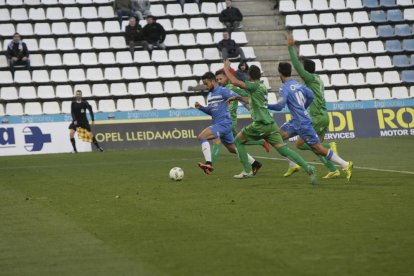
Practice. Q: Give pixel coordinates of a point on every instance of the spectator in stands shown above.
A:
(154, 34)
(229, 48)
(17, 53)
(141, 8)
(182, 2)
(231, 17)
(123, 8)
(242, 72)
(134, 35)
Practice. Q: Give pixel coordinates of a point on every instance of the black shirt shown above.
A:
(78, 110)
(154, 32)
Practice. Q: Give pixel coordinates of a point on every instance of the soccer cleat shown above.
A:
(243, 175)
(256, 167)
(266, 146)
(100, 149)
(312, 174)
(331, 175)
(292, 170)
(348, 170)
(334, 148)
(207, 168)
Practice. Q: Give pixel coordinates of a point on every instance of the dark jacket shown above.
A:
(133, 33)
(154, 32)
(229, 44)
(230, 15)
(14, 51)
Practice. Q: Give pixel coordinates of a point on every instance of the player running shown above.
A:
(317, 111)
(79, 119)
(221, 129)
(263, 126)
(298, 98)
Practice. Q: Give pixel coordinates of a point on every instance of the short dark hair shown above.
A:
(153, 17)
(80, 91)
(220, 72)
(309, 65)
(254, 72)
(285, 69)
(208, 76)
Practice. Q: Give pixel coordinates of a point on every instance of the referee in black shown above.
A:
(79, 119)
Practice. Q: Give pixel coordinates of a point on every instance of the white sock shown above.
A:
(205, 148)
(336, 159)
(291, 163)
(251, 159)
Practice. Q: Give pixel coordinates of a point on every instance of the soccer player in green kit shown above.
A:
(317, 111)
(263, 126)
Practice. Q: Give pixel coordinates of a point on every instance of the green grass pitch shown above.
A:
(61, 215)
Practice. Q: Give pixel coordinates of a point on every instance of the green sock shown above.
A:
(305, 147)
(331, 167)
(242, 153)
(215, 152)
(326, 145)
(294, 156)
(259, 143)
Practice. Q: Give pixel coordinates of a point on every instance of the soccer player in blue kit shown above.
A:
(298, 97)
(222, 127)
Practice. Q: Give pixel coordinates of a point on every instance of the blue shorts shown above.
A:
(224, 132)
(306, 132)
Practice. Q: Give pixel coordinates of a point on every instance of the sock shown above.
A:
(291, 163)
(95, 142)
(335, 158)
(259, 143)
(250, 159)
(307, 147)
(326, 145)
(331, 167)
(205, 148)
(215, 153)
(294, 156)
(72, 140)
(241, 152)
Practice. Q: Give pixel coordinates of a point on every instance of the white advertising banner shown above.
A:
(38, 138)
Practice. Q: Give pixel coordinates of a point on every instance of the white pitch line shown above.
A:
(356, 167)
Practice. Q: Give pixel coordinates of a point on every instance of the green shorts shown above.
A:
(320, 124)
(257, 131)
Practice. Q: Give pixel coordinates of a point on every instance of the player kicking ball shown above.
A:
(263, 126)
(298, 97)
(317, 111)
(221, 129)
(79, 119)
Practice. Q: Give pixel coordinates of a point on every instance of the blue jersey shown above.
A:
(297, 97)
(217, 106)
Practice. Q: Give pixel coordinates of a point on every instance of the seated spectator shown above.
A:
(231, 17)
(242, 72)
(154, 34)
(17, 53)
(134, 35)
(229, 48)
(182, 2)
(141, 8)
(123, 8)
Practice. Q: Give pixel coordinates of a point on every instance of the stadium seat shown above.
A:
(42, 28)
(38, 76)
(307, 50)
(136, 88)
(125, 105)
(53, 60)
(46, 92)
(200, 69)
(100, 90)
(71, 59)
(160, 103)
(183, 70)
(143, 104)
(186, 83)
(204, 39)
(360, 17)
(157, 10)
(193, 99)
(391, 77)
(327, 19)
(214, 67)
(348, 63)
(400, 61)
(316, 34)
(124, 57)
(239, 37)
(89, 59)
(59, 28)
(310, 19)
(172, 87)
(89, 12)
(404, 2)
(148, 72)
(77, 27)
(293, 20)
(83, 43)
(64, 91)
(51, 108)
(214, 23)
(382, 93)
(181, 24)
(19, 14)
(27, 92)
(341, 48)
(142, 57)
(166, 23)
(6, 77)
(378, 16)
(130, 73)
(33, 108)
(65, 44)
(211, 54)
(383, 62)
(399, 92)
(159, 56)
(408, 76)
(409, 14)
(337, 5)
(334, 33)
(37, 14)
(300, 35)
(208, 8)
(364, 94)
(14, 109)
(100, 42)
(117, 42)
(179, 103)
(171, 40)
(85, 88)
(354, 4)
(72, 13)
(356, 79)
(330, 96)
(54, 14)
(5, 14)
(394, 15)
(32, 44)
(346, 95)
(376, 46)
(287, 6)
(351, 32)
(176, 55)
(77, 75)
(331, 64)
(24, 29)
(402, 30)
(374, 78)
(174, 9)
(408, 45)
(370, 3)
(22, 77)
(106, 58)
(343, 17)
(186, 39)
(105, 12)
(338, 80)
(385, 31)
(94, 74)
(58, 75)
(393, 46)
(387, 3)
(118, 89)
(166, 71)
(106, 106)
(303, 5)
(191, 9)
(10, 93)
(368, 32)
(198, 24)
(324, 49)
(3, 61)
(94, 27)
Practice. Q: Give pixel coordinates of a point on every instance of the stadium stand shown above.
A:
(363, 49)
(78, 44)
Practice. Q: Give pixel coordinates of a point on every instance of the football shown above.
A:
(176, 174)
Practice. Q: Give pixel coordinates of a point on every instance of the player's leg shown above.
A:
(203, 137)
(216, 150)
(260, 142)
(72, 131)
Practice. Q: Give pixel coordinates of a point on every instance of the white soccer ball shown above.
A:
(176, 174)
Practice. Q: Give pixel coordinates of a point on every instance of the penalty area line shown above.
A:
(356, 167)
